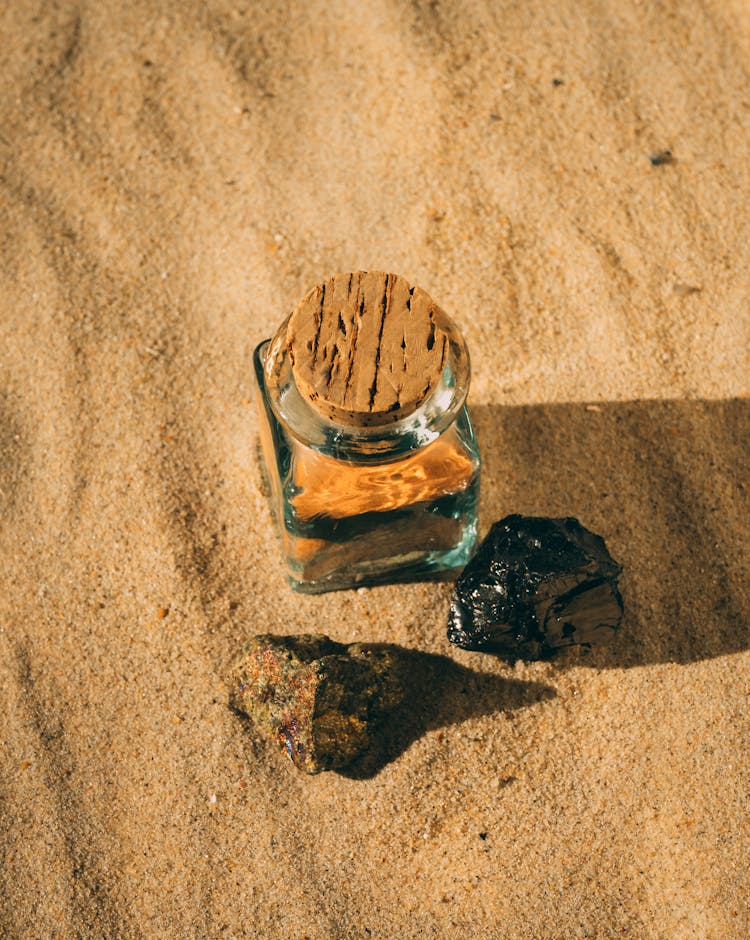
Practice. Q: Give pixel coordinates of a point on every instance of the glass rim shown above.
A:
(375, 443)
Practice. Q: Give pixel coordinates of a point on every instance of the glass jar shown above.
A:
(392, 497)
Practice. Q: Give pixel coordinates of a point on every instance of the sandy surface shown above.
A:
(173, 177)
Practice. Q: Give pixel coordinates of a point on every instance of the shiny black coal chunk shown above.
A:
(534, 586)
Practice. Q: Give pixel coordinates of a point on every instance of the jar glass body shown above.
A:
(359, 507)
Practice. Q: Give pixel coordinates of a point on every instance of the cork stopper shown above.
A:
(367, 348)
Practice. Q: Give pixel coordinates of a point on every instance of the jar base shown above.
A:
(411, 567)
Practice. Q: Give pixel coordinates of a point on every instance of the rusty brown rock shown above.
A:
(317, 699)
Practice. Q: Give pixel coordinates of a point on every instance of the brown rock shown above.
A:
(319, 700)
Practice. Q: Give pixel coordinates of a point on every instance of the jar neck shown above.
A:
(379, 444)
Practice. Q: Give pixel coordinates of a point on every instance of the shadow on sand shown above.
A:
(667, 483)
(438, 692)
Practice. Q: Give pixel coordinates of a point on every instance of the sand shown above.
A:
(173, 177)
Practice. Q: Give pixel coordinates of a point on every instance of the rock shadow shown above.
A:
(438, 692)
(666, 483)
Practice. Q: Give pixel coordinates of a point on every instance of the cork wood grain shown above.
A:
(367, 345)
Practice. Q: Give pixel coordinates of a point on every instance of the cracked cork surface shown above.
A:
(367, 347)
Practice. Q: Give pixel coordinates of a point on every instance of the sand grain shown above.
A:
(173, 178)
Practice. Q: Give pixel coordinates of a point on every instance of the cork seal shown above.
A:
(367, 348)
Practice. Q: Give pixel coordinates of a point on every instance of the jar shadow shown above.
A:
(665, 483)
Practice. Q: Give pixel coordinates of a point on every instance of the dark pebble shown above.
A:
(534, 586)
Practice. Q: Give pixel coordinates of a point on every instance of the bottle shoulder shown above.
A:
(443, 408)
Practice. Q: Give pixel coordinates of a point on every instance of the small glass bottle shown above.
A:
(367, 445)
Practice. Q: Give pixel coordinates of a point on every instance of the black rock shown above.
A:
(534, 586)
